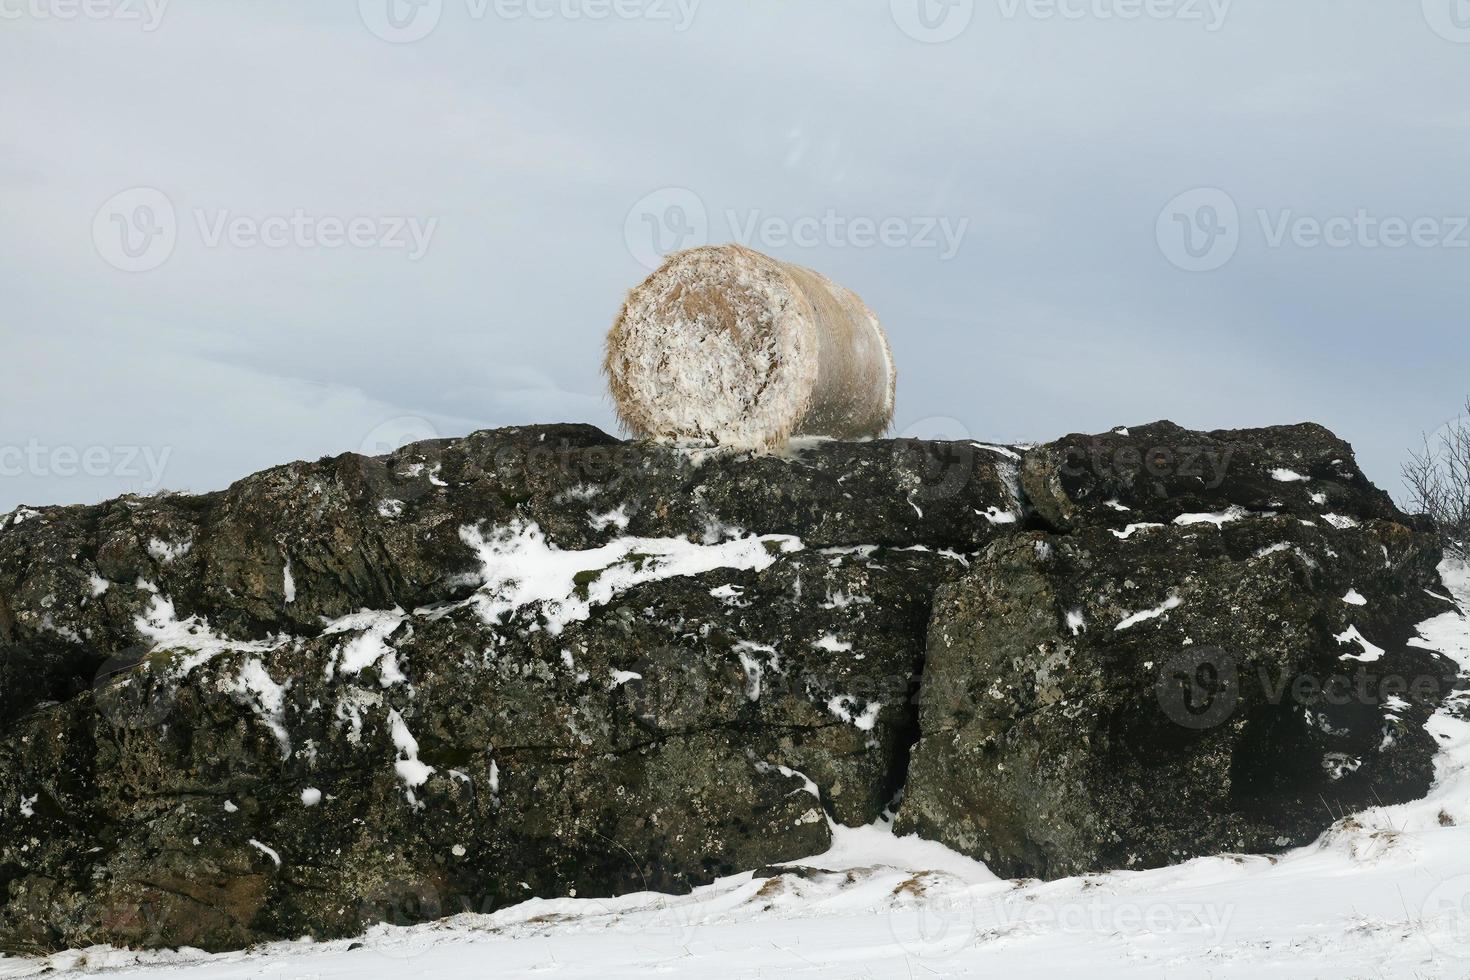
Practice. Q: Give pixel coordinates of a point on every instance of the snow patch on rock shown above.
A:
(520, 568)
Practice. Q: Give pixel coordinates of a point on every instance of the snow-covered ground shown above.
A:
(1385, 894)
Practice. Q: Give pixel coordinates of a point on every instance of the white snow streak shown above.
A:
(1173, 602)
(519, 568)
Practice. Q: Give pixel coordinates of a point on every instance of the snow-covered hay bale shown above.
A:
(725, 344)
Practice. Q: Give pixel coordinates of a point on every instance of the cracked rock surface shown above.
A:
(541, 661)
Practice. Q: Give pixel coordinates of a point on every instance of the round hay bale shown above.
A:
(728, 345)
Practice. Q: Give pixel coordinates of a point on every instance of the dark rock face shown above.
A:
(540, 661)
(532, 662)
(1156, 472)
(1095, 703)
(1209, 652)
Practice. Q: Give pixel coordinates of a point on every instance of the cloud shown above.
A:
(1059, 141)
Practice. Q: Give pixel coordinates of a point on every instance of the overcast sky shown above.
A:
(242, 232)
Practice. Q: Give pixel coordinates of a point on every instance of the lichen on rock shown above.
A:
(540, 660)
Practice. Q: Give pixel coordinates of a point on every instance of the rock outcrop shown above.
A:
(1216, 655)
(541, 661)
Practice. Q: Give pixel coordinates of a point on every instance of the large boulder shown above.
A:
(538, 662)
(1156, 472)
(282, 549)
(533, 662)
(1185, 682)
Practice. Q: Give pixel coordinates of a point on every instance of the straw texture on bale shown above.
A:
(727, 345)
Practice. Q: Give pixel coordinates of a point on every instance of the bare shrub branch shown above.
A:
(1438, 480)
